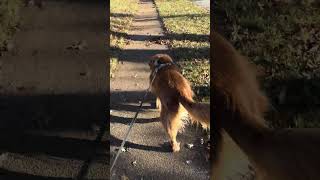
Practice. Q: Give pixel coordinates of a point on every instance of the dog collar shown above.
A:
(157, 68)
(160, 66)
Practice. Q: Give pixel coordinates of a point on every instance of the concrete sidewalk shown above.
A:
(147, 156)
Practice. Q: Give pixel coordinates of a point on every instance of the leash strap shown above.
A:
(130, 127)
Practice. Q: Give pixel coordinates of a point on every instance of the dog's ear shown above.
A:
(159, 59)
(163, 58)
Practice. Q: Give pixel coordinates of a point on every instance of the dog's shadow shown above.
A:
(126, 121)
(165, 147)
(131, 97)
(130, 106)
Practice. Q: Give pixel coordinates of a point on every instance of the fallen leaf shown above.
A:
(134, 163)
(189, 146)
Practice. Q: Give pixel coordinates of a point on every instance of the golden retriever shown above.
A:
(172, 90)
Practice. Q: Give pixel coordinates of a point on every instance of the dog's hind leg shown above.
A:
(158, 103)
(163, 117)
(173, 123)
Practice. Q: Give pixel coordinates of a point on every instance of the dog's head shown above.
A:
(158, 59)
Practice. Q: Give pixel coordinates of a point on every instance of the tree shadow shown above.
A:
(133, 97)
(131, 104)
(50, 112)
(142, 55)
(63, 147)
(79, 1)
(25, 121)
(10, 175)
(187, 15)
(171, 36)
(120, 15)
(116, 97)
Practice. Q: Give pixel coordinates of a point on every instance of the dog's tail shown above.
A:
(199, 112)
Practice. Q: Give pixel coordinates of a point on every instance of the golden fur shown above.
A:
(239, 107)
(171, 89)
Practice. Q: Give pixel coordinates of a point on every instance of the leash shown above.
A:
(136, 115)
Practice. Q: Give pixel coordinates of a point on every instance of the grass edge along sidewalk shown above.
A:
(121, 16)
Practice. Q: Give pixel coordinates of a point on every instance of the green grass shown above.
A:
(283, 39)
(121, 16)
(9, 19)
(187, 28)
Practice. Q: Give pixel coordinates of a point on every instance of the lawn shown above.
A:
(187, 28)
(282, 39)
(9, 20)
(121, 16)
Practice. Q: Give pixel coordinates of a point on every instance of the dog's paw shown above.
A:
(176, 147)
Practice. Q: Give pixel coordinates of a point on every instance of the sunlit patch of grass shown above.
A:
(187, 28)
(121, 16)
(113, 66)
(197, 71)
(9, 19)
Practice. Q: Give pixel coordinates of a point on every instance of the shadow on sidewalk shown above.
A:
(79, 1)
(62, 147)
(118, 104)
(114, 141)
(134, 55)
(51, 112)
(129, 101)
(171, 36)
(10, 175)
